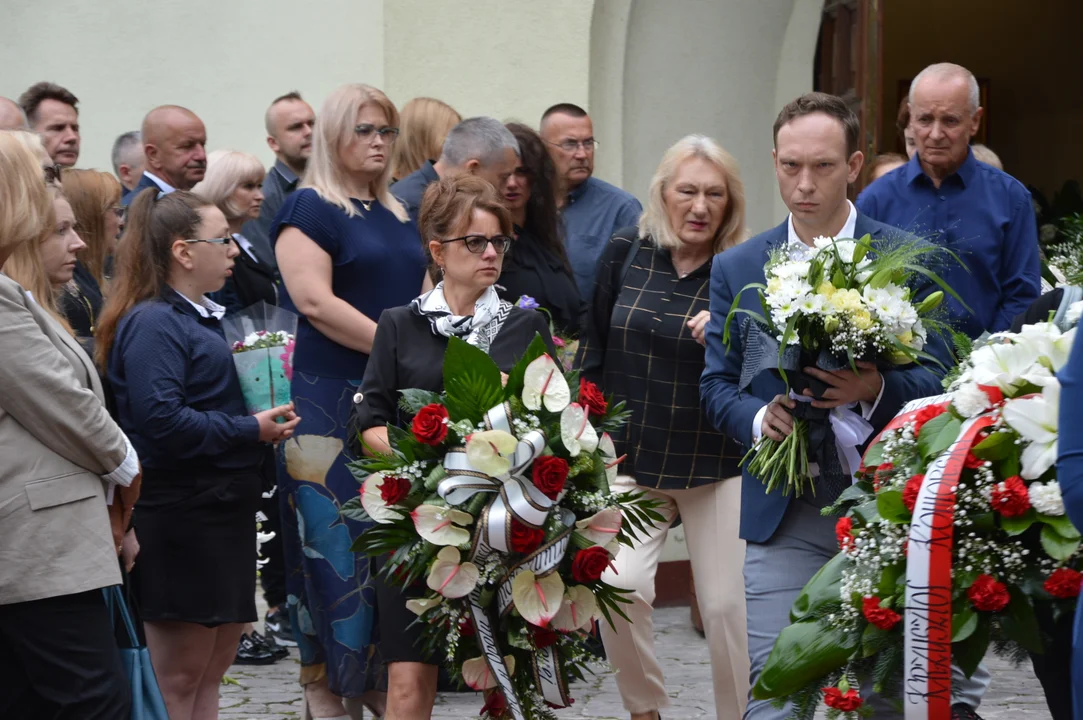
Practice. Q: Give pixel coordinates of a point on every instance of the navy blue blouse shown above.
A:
(177, 392)
(377, 263)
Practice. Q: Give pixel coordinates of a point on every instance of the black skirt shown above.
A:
(400, 638)
(197, 539)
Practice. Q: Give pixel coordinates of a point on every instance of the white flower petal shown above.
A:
(490, 451)
(577, 610)
(543, 382)
(373, 501)
(609, 454)
(420, 606)
(451, 578)
(537, 599)
(602, 527)
(440, 525)
(478, 676)
(576, 432)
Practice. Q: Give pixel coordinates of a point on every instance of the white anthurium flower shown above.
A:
(478, 676)
(451, 578)
(490, 451)
(576, 432)
(537, 599)
(609, 454)
(577, 610)
(1003, 365)
(441, 525)
(1035, 419)
(544, 383)
(420, 606)
(602, 527)
(372, 500)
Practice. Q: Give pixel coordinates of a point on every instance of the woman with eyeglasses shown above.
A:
(178, 397)
(95, 201)
(467, 229)
(347, 251)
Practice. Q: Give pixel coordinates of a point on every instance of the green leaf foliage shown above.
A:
(1020, 623)
(963, 624)
(938, 434)
(1057, 547)
(968, 653)
(822, 589)
(413, 399)
(875, 640)
(889, 504)
(875, 455)
(353, 510)
(472, 383)
(995, 447)
(1018, 525)
(1061, 525)
(803, 652)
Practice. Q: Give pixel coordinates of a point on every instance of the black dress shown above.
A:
(250, 282)
(530, 269)
(81, 303)
(407, 354)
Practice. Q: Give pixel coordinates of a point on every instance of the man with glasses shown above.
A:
(479, 146)
(593, 209)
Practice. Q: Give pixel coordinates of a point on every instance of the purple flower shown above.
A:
(527, 303)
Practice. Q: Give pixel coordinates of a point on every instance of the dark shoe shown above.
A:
(277, 650)
(276, 623)
(250, 652)
(962, 711)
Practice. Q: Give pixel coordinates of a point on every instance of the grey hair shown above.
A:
(124, 148)
(478, 138)
(947, 70)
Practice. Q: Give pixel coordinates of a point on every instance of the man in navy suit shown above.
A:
(788, 540)
(174, 143)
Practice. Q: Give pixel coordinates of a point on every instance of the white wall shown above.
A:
(223, 59)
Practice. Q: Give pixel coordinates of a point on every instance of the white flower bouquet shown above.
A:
(262, 340)
(832, 305)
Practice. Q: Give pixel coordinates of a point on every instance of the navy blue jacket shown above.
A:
(144, 183)
(410, 189)
(733, 413)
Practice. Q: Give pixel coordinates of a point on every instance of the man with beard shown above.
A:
(174, 144)
(593, 209)
(289, 123)
(52, 114)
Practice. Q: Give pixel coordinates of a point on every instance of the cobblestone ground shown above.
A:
(263, 693)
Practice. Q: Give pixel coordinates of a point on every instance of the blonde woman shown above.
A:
(347, 251)
(425, 124)
(61, 453)
(644, 344)
(233, 183)
(95, 201)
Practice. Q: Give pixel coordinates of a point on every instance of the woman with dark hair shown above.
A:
(179, 399)
(537, 265)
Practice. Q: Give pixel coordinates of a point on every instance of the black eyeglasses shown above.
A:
(477, 243)
(120, 211)
(213, 241)
(367, 131)
(52, 173)
(570, 146)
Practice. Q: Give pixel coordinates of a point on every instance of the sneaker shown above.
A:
(962, 711)
(276, 623)
(269, 642)
(250, 652)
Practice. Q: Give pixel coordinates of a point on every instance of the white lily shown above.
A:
(478, 676)
(577, 610)
(372, 500)
(420, 606)
(602, 527)
(1004, 364)
(490, 451)
(543, 382)
(441, 525)
(537, 599)
(576, 432)
(451, 578)
(1035, 419)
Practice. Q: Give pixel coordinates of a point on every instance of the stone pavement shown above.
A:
(263, 693)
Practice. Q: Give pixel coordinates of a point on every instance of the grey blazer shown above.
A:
(56, 443)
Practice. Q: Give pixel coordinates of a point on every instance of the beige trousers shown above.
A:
(711, 516)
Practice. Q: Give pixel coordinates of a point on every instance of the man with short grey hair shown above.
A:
(128, 160)
(12, 116)
(480, 146)
(981, 213)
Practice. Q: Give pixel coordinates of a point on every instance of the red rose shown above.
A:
(881, 617)
(1010, 497)
(466, 628)
(591, 398)
(926, 414)
(846, 702)
(495, 705)
(988, 595)
(394, 490)
(550, 472)
(524, 538)
(973, 461)
(844, 534)
(543, 637)
(1064, 583)
(588, 565)
(430, 424)
(910, 492)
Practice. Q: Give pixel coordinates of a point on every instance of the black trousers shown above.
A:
(1054, 668)
(59, 661)
(272, 576)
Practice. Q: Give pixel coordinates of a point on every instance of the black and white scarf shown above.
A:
(478, 329)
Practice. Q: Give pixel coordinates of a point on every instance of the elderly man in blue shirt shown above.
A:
(983, 215)
(593, 209)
